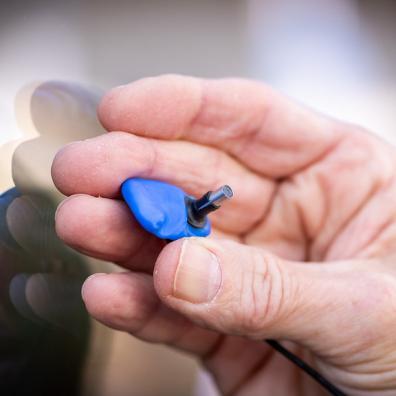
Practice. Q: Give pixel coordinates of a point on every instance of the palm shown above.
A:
(291, 172)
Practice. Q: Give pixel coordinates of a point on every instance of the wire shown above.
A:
(333, 390)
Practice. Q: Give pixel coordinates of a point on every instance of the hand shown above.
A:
(304, 252)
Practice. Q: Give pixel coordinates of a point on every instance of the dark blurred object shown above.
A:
(44, 328)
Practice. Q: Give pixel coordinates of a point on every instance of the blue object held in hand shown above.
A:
(167, 211)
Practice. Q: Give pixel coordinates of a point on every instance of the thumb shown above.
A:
(241, 290)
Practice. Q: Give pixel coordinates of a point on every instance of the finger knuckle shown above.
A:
(262, 294)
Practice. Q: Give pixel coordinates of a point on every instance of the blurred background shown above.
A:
(57, 58)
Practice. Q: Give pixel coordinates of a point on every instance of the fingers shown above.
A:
(264, 130)
(99, 166)
(127, 301)
(105, 229)
(240, 290)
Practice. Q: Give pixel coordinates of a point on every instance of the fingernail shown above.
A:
(198, 274)
(97, 274)
(64, 202)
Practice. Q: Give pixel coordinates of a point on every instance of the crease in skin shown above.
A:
(245, 236)
(384, 242)
(300, 209)
(232, 136)
(307, 241)
(321, 157)
(376, 188)
(366, 383)
(381, 227)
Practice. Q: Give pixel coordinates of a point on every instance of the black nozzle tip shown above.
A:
(198, 209)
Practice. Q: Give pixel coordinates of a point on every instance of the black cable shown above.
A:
(333, 390)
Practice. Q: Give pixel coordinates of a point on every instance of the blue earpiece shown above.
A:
(167, 211)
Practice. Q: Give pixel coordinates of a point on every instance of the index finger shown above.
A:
(261, 128)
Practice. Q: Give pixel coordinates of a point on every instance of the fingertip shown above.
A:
(64, 171)
(98, 292)
(120, 300)
(107, 108)
(91, 285)
(65, 220)
(100, 227)
(164, 105)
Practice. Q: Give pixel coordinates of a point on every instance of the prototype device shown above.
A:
(167, 211)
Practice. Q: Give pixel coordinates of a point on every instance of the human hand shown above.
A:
(304, 252)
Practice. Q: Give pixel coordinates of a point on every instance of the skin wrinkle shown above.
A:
(321, 157)
(149, 317)
(244, 236)
(375, 238)
(349, 219)
(364, 370)
(202, 112)
(326, 209)
(367, 251)
(183, 338)
(144, 264)
(253, 133)
(307, 164)
(182, 334)
(347, 380)
(255, 289)
(281, 287)
(276, 192)
(284, 194)
(381, 229)
(301, 211)
(201, 106)
(173, 338)
(269, 283)
(304, 231)
(153, 158)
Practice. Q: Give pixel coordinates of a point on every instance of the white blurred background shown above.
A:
(337, 56)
